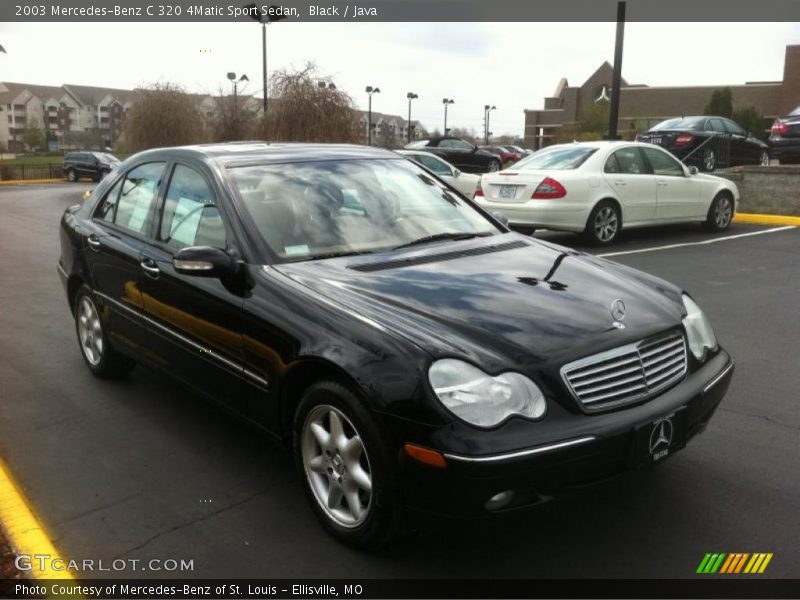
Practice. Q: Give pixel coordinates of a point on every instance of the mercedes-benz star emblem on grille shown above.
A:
(661, 437)
(618, 309)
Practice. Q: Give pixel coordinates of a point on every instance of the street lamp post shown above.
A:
(370, 90)
(255, 13)
(235, 82)
(486, 112)
(411, 96)
(446, 102)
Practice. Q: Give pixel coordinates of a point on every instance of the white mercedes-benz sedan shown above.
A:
(599, 188)
(466, 183)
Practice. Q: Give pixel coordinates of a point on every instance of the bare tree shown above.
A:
(234, 118)
(162, 114)
(308, 108)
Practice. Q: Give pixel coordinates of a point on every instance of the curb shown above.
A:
(30, 181)
(24, 531)
(766, 219)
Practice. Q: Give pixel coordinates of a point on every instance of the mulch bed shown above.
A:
(7, 569)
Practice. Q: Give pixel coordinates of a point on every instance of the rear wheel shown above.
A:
(103, 361)
(349, 473)
(709, 159)
(763, 158)
(72, 175)
(494, 165)
(720, 214)
(604, 223)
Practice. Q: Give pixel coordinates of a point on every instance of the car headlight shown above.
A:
(698, 329)
(482, 399)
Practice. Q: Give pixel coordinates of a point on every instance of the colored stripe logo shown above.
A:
(734, 563)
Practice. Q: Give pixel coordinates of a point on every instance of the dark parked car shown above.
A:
(784, 141)
(412, 350)
(94, 165)
(708, 142)
(467, 157)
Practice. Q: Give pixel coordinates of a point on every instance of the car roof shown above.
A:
(243, 153)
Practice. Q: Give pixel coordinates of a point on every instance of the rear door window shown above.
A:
(630, 161)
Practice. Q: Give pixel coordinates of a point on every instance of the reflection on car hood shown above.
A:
(527, 305)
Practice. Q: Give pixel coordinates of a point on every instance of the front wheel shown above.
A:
(603, 224)
(493, 166)
(709, 160)
(763, 158)
(348, 471)
(72, 175)
(720, 214)
(103, 361)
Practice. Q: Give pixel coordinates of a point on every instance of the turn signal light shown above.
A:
(683, 139)
(426, 456)
(549, 189)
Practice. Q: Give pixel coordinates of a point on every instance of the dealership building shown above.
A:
(641, 106)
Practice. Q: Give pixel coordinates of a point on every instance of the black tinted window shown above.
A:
(137, 199)
(108, 205)
(682, 123)
(190, 216)
(612, 166)
(734, 128)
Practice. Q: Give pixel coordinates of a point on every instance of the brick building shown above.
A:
(642, 106)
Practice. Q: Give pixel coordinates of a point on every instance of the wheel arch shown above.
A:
(74, 283)
(302, 375)
(615, 201)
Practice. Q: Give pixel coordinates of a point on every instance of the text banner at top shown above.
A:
(399, 11)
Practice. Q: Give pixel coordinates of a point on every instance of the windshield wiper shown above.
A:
(453, 235)
(331, 255)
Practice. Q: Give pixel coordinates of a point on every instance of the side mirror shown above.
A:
(203, 261)
(501, 217)
(474, 148)
(456, 172)
(693, 170)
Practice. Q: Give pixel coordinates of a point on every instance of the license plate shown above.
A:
(659, 439)
(508, 191)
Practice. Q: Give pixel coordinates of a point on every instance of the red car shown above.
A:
(505, 155)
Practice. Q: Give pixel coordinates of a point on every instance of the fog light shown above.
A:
(500, 500)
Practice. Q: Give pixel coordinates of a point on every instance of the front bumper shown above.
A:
(592, 448)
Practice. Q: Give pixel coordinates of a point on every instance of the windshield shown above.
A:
(795, 112)
(328, 208)
(556, 158)
(683, 123)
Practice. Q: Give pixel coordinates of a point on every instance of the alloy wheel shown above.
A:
(90, 331)
(336, 466)
(723, 212)
(764, 158)
(606, 224)
(709, 160)
(494, 166)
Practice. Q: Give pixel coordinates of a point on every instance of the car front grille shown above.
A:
(627, 374)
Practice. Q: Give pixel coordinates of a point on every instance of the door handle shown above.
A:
(660, 182)
(94, 242)
(619, 182)
(150, 269)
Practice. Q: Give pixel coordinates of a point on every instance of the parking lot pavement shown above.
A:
(142, 469)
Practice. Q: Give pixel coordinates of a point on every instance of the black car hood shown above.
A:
(530, 304)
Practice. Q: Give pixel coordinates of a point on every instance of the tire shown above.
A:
(720, 213)
(763, 158)
(369, 512)
(709, 162)
(72, 175)
(103, 361)
(493, 166)
(604, 223)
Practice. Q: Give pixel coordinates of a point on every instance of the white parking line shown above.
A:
(711, 241)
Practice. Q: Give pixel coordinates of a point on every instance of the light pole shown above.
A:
(235, 82)
(411, 96)
(616, 78)
(255, 13)
(486, 112)
(446, 102)
(370, 90)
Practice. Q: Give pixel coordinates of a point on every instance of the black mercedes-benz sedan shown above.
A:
(464, 155)
(784, 139)
(708, 142)
(414, 352)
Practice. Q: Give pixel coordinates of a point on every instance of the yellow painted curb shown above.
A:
(24, 181)
(24, 531)
(766, 219)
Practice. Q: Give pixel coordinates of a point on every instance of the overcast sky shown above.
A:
(510, 65)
